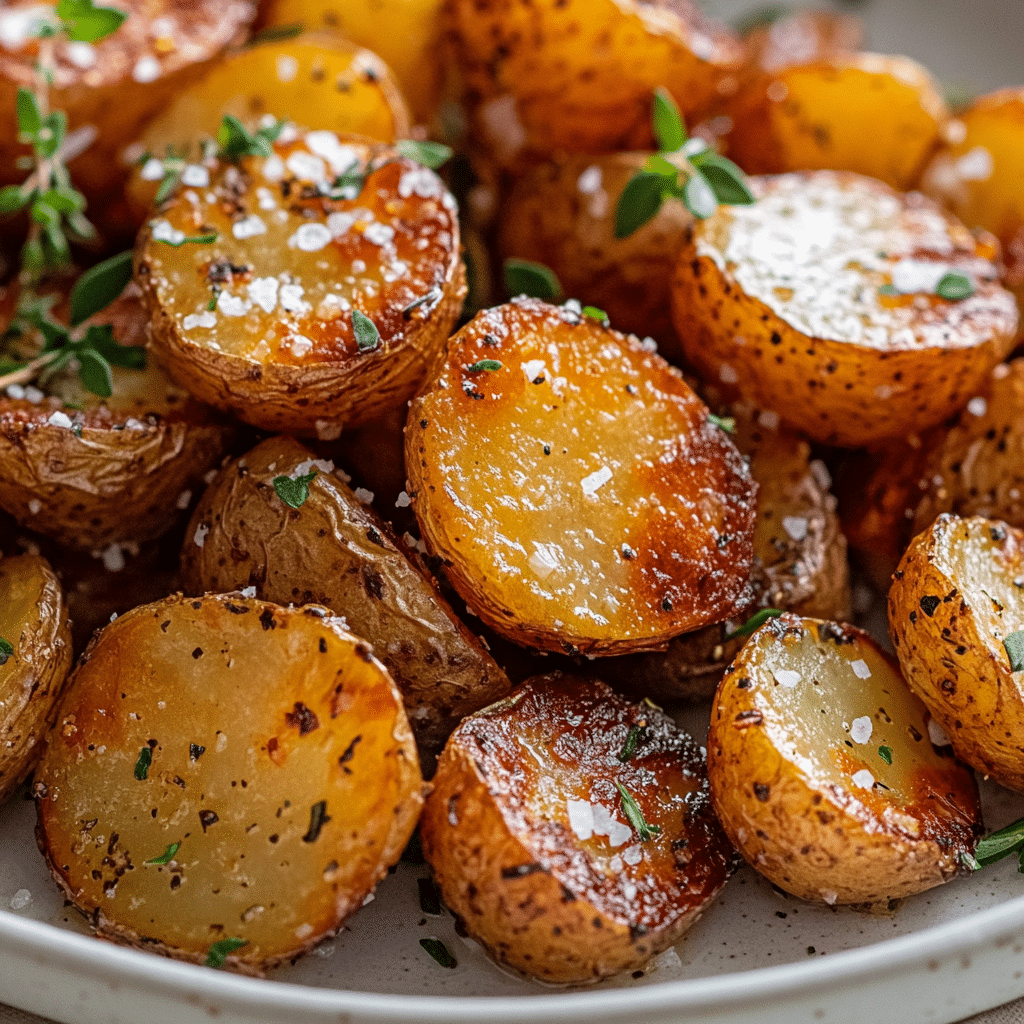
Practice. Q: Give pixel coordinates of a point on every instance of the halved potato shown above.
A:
(306, 312)
(576, 76)
(334, 550)
(532, 842)
(782, 299)
(176, 832)
(91, 472)
(317, 80)
(955, 598)
(823, 774)
(35, 657)
(876, 115)
(574, 485)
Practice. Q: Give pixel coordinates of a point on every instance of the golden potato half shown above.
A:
(306, 312)
(571, 832)
(91, 472)
(226, 771)
(822, 772)
(35, 657)
(334, 550)
(317, 80)
(955, 599)
(788, 300)
(580, 496)
(875, 115)
(576, 76)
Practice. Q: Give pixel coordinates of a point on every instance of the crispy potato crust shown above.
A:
(606, 543)
(539, 859)
(34, 621)
(781, 299)
(173, 833)
(799, 781)
(955, 598)
(288, 268)
(336, 551)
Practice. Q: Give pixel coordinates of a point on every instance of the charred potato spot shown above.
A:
(955, 599)
(821, 772)
(335, 551)
(537, 856)
(270, 308)
(266, 836)
(782, 298)
(34, 626)
(618, 539)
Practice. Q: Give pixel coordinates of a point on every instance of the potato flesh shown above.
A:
(255, 860)
(636, 527)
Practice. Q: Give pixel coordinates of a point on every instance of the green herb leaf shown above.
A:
(83, 22)
(1014, 646)
(968, 861)
(639, 202)
(12, 198)
(101, 338)
(439, 951)
(143, 763)
(633, 739)
(657, 164)
(169, 182)
(196, 239)
(1000, 844)
(350, 182)
(236, 141)
(954, 287)
(489, 365)
(51, 134)
(430, 154)
(99, 286)
(533, 279)
(94, 372)
(596, 314)
(30, 119)
(756, 621)
(294, 491)
(888, 290)
(219, 951)
(276, 34)
(699, 197)
(430, 899)
(166, 857)
(885, 753)
(727, 181)
(726, 423)
(636, 817)
(365, 330)
(6, 650)
(668, 125)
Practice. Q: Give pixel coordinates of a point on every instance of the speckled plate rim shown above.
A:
(126, 968)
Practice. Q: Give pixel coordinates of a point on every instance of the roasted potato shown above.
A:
(91, 472)
(562, 214)
(306, 312)
(613, 515)
(543, 77)
(110, 89)
(570, 831)
(822, 772)
(179, 833)
(863, 112)
(315, 80)
(782, 300)
(334, 550)
(406, 34)
(955, 599)
(35, 657)
(800, 37)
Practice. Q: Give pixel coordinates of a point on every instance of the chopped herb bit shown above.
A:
(430, 899)
(533, 279)
(99, 286)
(489, 365)
(236, 141)
(439, 951)
(954, 287)
(637, 733)
(1000, 844)
(365, 330)
(1014, 646)
(726, 423)
(885, 753)
(968, 861)
(220, 950)
(667, 122)
(197, 239)
(276, 34)
(317, 819)
(635, 815)
(889, 290)
(430, 154)
(143, 763)
(83, 22)
(166, 857)
(6, 650)
(596, 314)
(294, 490)
(754, 622)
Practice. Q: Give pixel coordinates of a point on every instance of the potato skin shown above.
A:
(816, 343)
(946, 620)
(337, 552)
(523, 883)
(285, 817)
(781, 784)
(34, 621)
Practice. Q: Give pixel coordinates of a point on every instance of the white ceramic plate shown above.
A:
(757, 957)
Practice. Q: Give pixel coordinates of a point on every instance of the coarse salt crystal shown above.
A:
(632, 855)
(164, 231)
(301, 346)
(249, 592)
(378, 234)
(291, 298)
(326, 430)
(977, 406)
(864, 779)
(727, 375)
(937, 734)
(860, 730)
(340, 222)
(786, 677)
(147, 69)
(581, 818)
(273, 168)
(263, 293)
(81, 54)
(230, 305)
(199, 539)
(306, 166)
(60, 419)
(860, 669)
(183, 500)
(195, 176)
(829, 896)
(363, 495)
(34, 506)
(152, 169)
(287, 67)
(590, 180)
(248, 227)
(15, 391)
(795, 526)
(205, 319)
(265, 198)
(327, 145)
(544, 560)
(311, 237)
(595, 480)
(768, 419)
(21, 899)
(403, 500)
(534, 368)
(113, 558)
